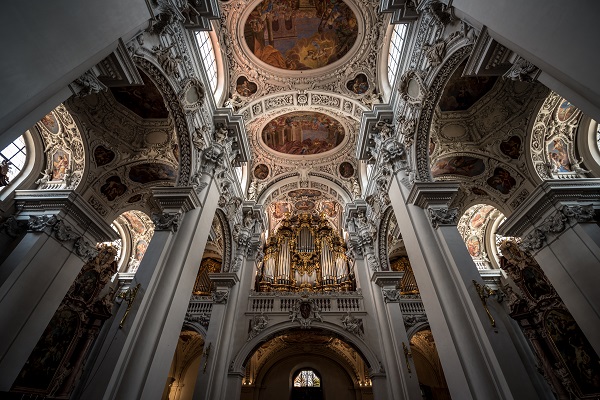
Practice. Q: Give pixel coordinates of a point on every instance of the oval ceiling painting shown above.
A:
(300, 35)
(303, 133)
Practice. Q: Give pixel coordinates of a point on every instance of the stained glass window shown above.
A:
(307, 378)
(396, 45)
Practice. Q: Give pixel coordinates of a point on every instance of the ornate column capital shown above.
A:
(387, 279)
(176, 199)
(172, 202)
(43, 209)
(64, 215)
(551, 209)
(436, 198)
(433, 194)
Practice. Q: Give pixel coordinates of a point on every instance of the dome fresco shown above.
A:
(303, 133)
(300, 35)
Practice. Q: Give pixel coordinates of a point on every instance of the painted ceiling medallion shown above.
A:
(303, 133)
(300, 35)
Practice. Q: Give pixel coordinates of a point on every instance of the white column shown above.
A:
(559, 226)
(134, 361)
(383, 377)
(479, 361)
(213, 366)
(231, 384)
(394, 334)
(62, 234)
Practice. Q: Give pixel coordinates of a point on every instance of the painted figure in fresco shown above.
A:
(502, 181)
(283, 35)
(559, 157)
(113, 188)
(61, 163)
(460, 165)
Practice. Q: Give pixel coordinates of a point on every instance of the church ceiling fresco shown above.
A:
(483, 147)
(145, 101)
(553, 140)
(473, 226)
(303, 133)
(120, 175)
(461, 93)
(300, 35)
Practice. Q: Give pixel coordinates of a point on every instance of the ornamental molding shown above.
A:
(166, 221)
(522, 70)
(64, 150)
(425, 116)
(549, 129)
(556, 223)
(548, 199)
(66, 205)
(54, 226)
(391, 295)
(352, 324)
(182, 128)
(332, 78)
(87, 84)
(258, 324)
(305, 311)
(443, 216)
(220, 296)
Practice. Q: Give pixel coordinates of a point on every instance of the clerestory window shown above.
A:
(395, 53)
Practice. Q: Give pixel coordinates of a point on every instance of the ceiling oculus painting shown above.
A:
(303, 133)
(300, 35)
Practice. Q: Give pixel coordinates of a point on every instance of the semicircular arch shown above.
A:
(244, 354)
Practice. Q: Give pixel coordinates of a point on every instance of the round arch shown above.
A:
(244, 354)
(420, 155)
(227, 239)
(182, 130)
(292, 178)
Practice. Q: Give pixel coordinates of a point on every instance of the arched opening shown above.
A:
(429, 368)
(185, 366)
(306, 364)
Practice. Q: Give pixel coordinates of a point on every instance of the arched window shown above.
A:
(307, 378)
(395, 52)
(12, 161)
(207, 53)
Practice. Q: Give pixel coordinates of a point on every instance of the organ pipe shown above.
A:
(306, 253)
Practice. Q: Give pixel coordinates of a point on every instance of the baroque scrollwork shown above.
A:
(443, 216)
(220, 296)
(352, 324)
(166, 221)
(391, 295)
(556, 223)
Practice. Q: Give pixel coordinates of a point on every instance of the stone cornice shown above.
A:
(549, 198)
(176, 199)
(433, 194)
(386, 279)
(65, 204)
(224, 279)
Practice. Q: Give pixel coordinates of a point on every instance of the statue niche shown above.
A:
(305, 254)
